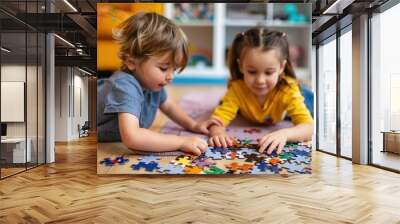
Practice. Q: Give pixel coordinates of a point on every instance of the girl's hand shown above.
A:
(202, 127)
(273, 140)
(222, 139)
(193, 145)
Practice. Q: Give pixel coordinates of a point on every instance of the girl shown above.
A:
(152, 48)
(263, 88)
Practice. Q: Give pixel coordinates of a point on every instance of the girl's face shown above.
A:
(261, 70)
(153, 73)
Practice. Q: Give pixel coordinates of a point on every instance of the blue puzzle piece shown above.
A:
(213, 155)
(302, 159)
(222, 150)
(286, 149)
(256, 170)
(263, 166)
(107, 161)
(274, 168)
(292, 168)
(111, 162)
(148, 166)
(149, 159)
(171, 169)
(303, 148)
(121, 160)
(300, 152)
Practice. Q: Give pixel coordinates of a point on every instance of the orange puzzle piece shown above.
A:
(274, 161)
(246, 167)
(193, 170)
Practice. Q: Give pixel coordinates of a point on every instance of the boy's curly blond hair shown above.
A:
(148, 34)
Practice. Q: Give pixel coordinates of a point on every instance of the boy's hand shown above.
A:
(193, 145)
(202, 127)
(273, 140)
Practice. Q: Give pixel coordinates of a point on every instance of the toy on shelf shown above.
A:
(193, 12)
(246, 11)
(291, 14)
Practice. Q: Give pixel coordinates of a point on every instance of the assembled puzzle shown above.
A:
(241, 158)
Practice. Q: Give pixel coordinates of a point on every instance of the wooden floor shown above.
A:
(70, 191)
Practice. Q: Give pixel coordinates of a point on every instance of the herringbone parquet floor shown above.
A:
(70, 191)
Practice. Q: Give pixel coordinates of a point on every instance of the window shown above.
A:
(346, 94)
(385, 88)
(327, 96)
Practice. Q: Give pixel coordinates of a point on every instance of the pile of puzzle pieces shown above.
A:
(242, 158)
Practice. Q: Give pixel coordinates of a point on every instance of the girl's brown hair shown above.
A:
(148, 34)
(259, 37)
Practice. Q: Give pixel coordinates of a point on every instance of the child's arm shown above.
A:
(138, 138)
(175, 113)
(218, 135)
(278, 139)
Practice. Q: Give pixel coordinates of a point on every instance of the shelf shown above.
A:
(250, 23)
(199, 23)
(212, 36)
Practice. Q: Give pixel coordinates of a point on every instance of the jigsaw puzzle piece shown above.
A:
(234, 155)
(222, 150)
(149, 159)
(121, 160)
(214, 170)
(247, 151)
(254, 157)
(171, 169)
(257, 170)
(300, 152)
(203, 163)
(183, 160)
(150, 167)
(193, 170)
(302, 159)
(213, 155)
(293, 168)
(107, 161)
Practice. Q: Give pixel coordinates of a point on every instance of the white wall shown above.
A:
(71, 93)
(13, 73)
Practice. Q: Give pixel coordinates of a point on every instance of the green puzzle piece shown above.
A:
(214, 170)
(245, 141)
(285, 155)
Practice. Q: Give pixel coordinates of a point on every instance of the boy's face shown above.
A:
(261, 70)
(153, 73)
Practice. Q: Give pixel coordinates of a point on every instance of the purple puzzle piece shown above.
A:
(203, 163)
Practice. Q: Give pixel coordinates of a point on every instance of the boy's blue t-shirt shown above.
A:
(122, 92)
